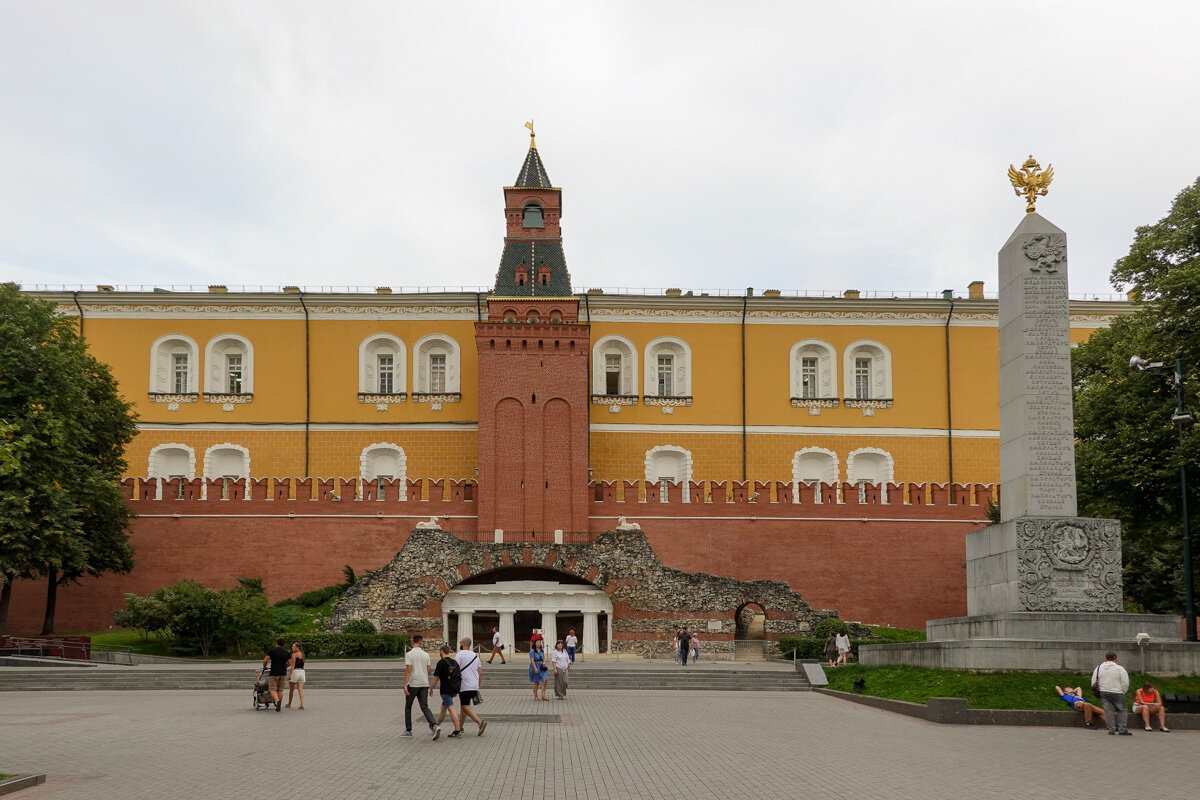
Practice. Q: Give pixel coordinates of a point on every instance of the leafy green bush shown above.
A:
(350, 645)
(283, 617)
(314, 598)
(806, 647)
(200, 619)
(148, 615)
(827, 626)
(360, 626)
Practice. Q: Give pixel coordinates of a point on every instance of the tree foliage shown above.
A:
(200, 620)
(1128, 451)
(61, 452)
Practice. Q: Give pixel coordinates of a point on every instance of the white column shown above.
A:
(591, 633)
(508, 633)
(446, 627)
(464, 628)
(550, 628)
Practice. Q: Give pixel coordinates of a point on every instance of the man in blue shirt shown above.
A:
(1073, 697)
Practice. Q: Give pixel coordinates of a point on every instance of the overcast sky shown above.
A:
(812, 146)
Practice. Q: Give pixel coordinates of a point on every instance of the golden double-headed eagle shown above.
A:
(1030, 181)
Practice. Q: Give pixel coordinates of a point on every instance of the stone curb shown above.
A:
(954, 711)
(21, 782)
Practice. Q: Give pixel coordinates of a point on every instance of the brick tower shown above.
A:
(533, 372)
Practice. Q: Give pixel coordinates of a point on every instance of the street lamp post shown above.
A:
(1181, 418)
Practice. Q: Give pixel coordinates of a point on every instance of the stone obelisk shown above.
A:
(1042, 556)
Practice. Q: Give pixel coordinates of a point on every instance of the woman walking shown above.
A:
(843, 648)
(296, 675)
(831, 652)
(537, 669)
(562, 667)
(695, 648)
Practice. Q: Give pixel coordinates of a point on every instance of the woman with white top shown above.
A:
(562, 666)
(843, 648)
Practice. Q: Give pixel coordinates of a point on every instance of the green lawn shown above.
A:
(1024, 690)
(5, 776)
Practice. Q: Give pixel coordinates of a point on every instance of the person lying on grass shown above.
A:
(1074, 698)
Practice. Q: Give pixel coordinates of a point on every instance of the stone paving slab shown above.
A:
(608, 744)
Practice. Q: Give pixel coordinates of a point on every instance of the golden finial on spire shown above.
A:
(532, 135)
(1030, 181)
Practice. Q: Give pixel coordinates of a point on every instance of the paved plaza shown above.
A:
(607, 744)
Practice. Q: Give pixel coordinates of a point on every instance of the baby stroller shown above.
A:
(262, 694)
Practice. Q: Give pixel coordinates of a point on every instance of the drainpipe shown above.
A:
(478, 307)
(307, 385)
(745, 299)
(949, 295)
(75, 295)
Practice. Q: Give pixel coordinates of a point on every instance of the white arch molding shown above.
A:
(826, 356)
(162, 354)
(216, 351)
(870, 465)
(423, 350)
(814, 464)
(383, 458)
(223, 459)
(170, 459)
(880, 375)
(620, 346)
(670, 461)
(369, 350)
(682, 366)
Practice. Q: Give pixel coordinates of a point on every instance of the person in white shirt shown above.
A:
(468, 664)
(843, 648)
(497, 647)
(416, 686)
(1111, 682)
(572, 643)
(562, 666)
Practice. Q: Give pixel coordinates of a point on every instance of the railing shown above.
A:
(69, 649)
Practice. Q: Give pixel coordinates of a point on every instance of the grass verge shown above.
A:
(1021, 690)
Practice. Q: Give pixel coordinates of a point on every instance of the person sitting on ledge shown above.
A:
(1148, 701)
(1074, 698)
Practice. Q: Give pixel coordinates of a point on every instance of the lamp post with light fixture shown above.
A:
(1180, 418)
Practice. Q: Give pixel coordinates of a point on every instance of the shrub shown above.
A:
(146, 615)
(349, 645)
(314, 598)
(286, 616)
(827, 626)
(360, 626)
(200, 618)
(805, 647)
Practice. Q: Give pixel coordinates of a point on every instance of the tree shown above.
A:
(61, 513)
(1127, 452)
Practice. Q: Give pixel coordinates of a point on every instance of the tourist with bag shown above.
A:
(472, 672)
(1111, 682)
(497, 647)
(537, 669)
(562, 668)
(416, 686)
(449, 676)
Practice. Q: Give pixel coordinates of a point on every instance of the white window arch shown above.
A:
(383, 460)
(614, 366)
(435, 365)
(169, 461)
(382, 365)
(669, 463)
(227, 461)
(174, 365)
(813, 367)
(870, 465)
(867, 367)
(668, 370)
(814, 464)
(229, 365)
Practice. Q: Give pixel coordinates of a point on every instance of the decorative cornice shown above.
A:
(651, 400)
(814, 402)
(615, 399)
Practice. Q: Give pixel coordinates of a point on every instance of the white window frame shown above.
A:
(435, 343)
(210, 455)
(826, 356)
(366, 466)
(215, 352)
(369, 351)
(833, 470)
(155, 468)
(652, 473)
(881, 369)
(615, 345)
(162, 363)
(889, 475)
(682, 376)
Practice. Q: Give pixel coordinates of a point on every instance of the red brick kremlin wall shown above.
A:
(898, 563)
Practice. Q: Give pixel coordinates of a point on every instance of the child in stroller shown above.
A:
(262, 694)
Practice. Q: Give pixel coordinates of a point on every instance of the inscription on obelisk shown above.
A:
(1037, 443)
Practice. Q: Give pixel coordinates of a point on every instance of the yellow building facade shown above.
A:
(683, 386)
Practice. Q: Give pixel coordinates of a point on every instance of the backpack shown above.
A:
(453, 680)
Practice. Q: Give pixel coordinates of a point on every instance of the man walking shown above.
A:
(1111, 682)
(416, 686)
(684, 640)
(468, 663)
(278, 657)
(497, 646)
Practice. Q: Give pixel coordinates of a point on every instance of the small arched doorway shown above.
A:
(750, 632)
(517, 599)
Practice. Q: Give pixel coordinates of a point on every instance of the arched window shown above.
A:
(870, 465)
(229, 365)
(381, 365)
(227, 461)
(174, 365)
(435, 365)
(169, 461)
(522, 275)
(544, 275)
(667, 464)
(815, 464)
(382, 462)
(668, 368)
(614, 367)
(813, 367)
(532, 216)
(867, 366)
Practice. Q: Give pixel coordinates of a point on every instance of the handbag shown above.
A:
(478, 700)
